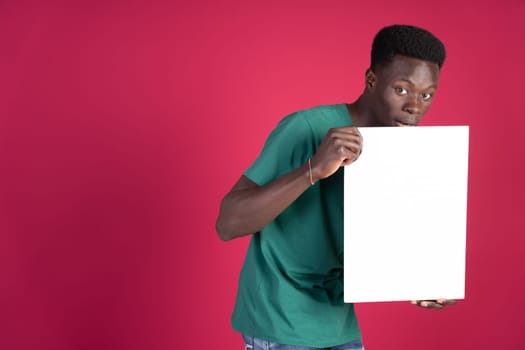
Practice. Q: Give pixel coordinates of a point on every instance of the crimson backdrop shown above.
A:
(122, 124)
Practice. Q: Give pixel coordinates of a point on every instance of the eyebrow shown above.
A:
(412, 83)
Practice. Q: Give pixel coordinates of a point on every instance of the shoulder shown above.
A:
(334, 113)
(324, 117)
(322, 110)
(312, 122)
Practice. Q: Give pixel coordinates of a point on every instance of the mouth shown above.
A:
(403, 123)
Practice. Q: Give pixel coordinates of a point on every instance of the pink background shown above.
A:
(122, 125)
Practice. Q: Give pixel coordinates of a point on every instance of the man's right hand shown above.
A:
(340, 147)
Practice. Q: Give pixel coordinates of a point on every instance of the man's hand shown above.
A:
(341, 146)
(434, 304)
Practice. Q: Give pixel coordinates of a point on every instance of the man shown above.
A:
(291, 200)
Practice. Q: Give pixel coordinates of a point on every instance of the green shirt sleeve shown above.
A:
(289, 146)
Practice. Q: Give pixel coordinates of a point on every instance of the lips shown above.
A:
(402, 122)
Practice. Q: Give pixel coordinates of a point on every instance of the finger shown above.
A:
(349, 150)
(428, 304)
(346, 131)
(350, 129)
(443, 301)
(344, 146)
(348, 161)
(346, 137)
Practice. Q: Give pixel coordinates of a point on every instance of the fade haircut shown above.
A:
(408, 41)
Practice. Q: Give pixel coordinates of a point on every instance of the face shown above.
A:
(402, 91)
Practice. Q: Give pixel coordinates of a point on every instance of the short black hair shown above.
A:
(408, 41)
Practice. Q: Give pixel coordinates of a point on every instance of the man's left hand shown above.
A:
(437, 304)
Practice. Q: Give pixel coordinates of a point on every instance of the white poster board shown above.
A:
(405, 209)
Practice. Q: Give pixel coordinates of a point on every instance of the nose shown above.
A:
(411, 105)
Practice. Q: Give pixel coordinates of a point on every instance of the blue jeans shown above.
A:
(251, 343)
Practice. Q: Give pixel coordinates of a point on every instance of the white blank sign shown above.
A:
(405, 208)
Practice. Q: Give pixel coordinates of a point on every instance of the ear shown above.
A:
(370, 79)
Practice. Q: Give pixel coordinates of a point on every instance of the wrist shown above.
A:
(309, 172)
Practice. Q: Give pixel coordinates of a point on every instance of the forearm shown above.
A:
(248, 208)
(245, 211)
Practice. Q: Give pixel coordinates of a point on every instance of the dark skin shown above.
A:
(398, 93)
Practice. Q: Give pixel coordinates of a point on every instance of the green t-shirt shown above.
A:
(291, 284)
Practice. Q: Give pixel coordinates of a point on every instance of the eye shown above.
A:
(426, 96)
(400, 90)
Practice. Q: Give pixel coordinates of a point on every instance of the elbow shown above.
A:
(222, 230)
(229, 228)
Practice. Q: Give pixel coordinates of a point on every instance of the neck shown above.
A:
(361, 112)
